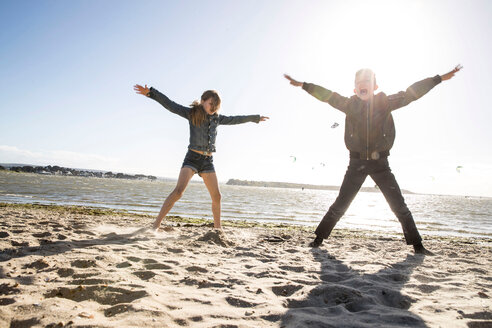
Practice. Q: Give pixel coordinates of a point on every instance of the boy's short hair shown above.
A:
(365, 71)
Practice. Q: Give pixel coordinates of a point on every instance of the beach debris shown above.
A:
(458, 168)
(274, 239)
(334, 125)
(86, 315)
(483, 295)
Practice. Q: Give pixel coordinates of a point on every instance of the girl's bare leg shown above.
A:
(184, 178)
(210, 180)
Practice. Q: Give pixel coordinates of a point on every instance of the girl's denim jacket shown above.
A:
(201, 137)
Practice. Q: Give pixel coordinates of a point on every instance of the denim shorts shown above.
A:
(199, 163)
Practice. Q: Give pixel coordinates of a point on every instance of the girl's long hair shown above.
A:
(198, 114)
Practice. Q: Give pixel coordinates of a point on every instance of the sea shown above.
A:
(442, 215)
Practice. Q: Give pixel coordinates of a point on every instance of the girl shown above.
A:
(203, 119)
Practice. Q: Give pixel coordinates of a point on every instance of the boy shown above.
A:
(369, 135)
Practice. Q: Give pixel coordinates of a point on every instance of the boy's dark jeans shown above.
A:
(356, 174)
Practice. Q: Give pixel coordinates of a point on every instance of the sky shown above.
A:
(68, 70)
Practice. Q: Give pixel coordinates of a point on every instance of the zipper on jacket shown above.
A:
(367, 133)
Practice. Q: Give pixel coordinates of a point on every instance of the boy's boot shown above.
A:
(316, 242)
(420, 249)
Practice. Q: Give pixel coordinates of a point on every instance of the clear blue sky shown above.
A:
(68, 67)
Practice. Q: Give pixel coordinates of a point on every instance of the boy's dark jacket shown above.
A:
(369, 126)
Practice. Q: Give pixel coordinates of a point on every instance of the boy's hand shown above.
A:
(264, 118)
(141, 90)
(449, 75)
(293, 82)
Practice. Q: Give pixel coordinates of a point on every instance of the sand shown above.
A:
(69, 267)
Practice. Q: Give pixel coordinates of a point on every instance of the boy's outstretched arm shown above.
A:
(418, 89)
(292, 81)
(322, 94)
(450, 74)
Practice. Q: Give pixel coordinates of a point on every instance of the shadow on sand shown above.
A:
(48, 247)
(348, 298)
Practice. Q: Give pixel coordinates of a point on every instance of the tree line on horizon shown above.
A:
(58, 170)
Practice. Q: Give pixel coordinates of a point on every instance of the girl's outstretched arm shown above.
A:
(240, 119)
(163, 100)
(264, 118)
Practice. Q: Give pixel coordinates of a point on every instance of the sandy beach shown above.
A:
(78, 267)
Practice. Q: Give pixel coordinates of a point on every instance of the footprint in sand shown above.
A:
(42, 234)
(83, 263)
(292, 268)
(327, 296)
(91, 282)
(65, 272)
(144, 275)
(237, 302)
(133, 259)
(181, 322)
(196, 269)
(61, 237)
(39, 265)
(19, 243)
(286, 290)
(6, 289)
(157, 266)
(216, 237)
(175, 250)
(101, 294)
(149, 261)
(6, 301)
(427, 289)
(197, 318)
(123, 265)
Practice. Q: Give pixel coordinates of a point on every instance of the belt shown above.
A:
(204, 153)
(373, 156)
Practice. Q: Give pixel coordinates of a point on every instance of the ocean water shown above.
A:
(434, 214)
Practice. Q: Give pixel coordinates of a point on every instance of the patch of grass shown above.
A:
(70, 209)
(96, 211)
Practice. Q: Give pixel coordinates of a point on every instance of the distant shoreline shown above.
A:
(272, 184)
(65, 171)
